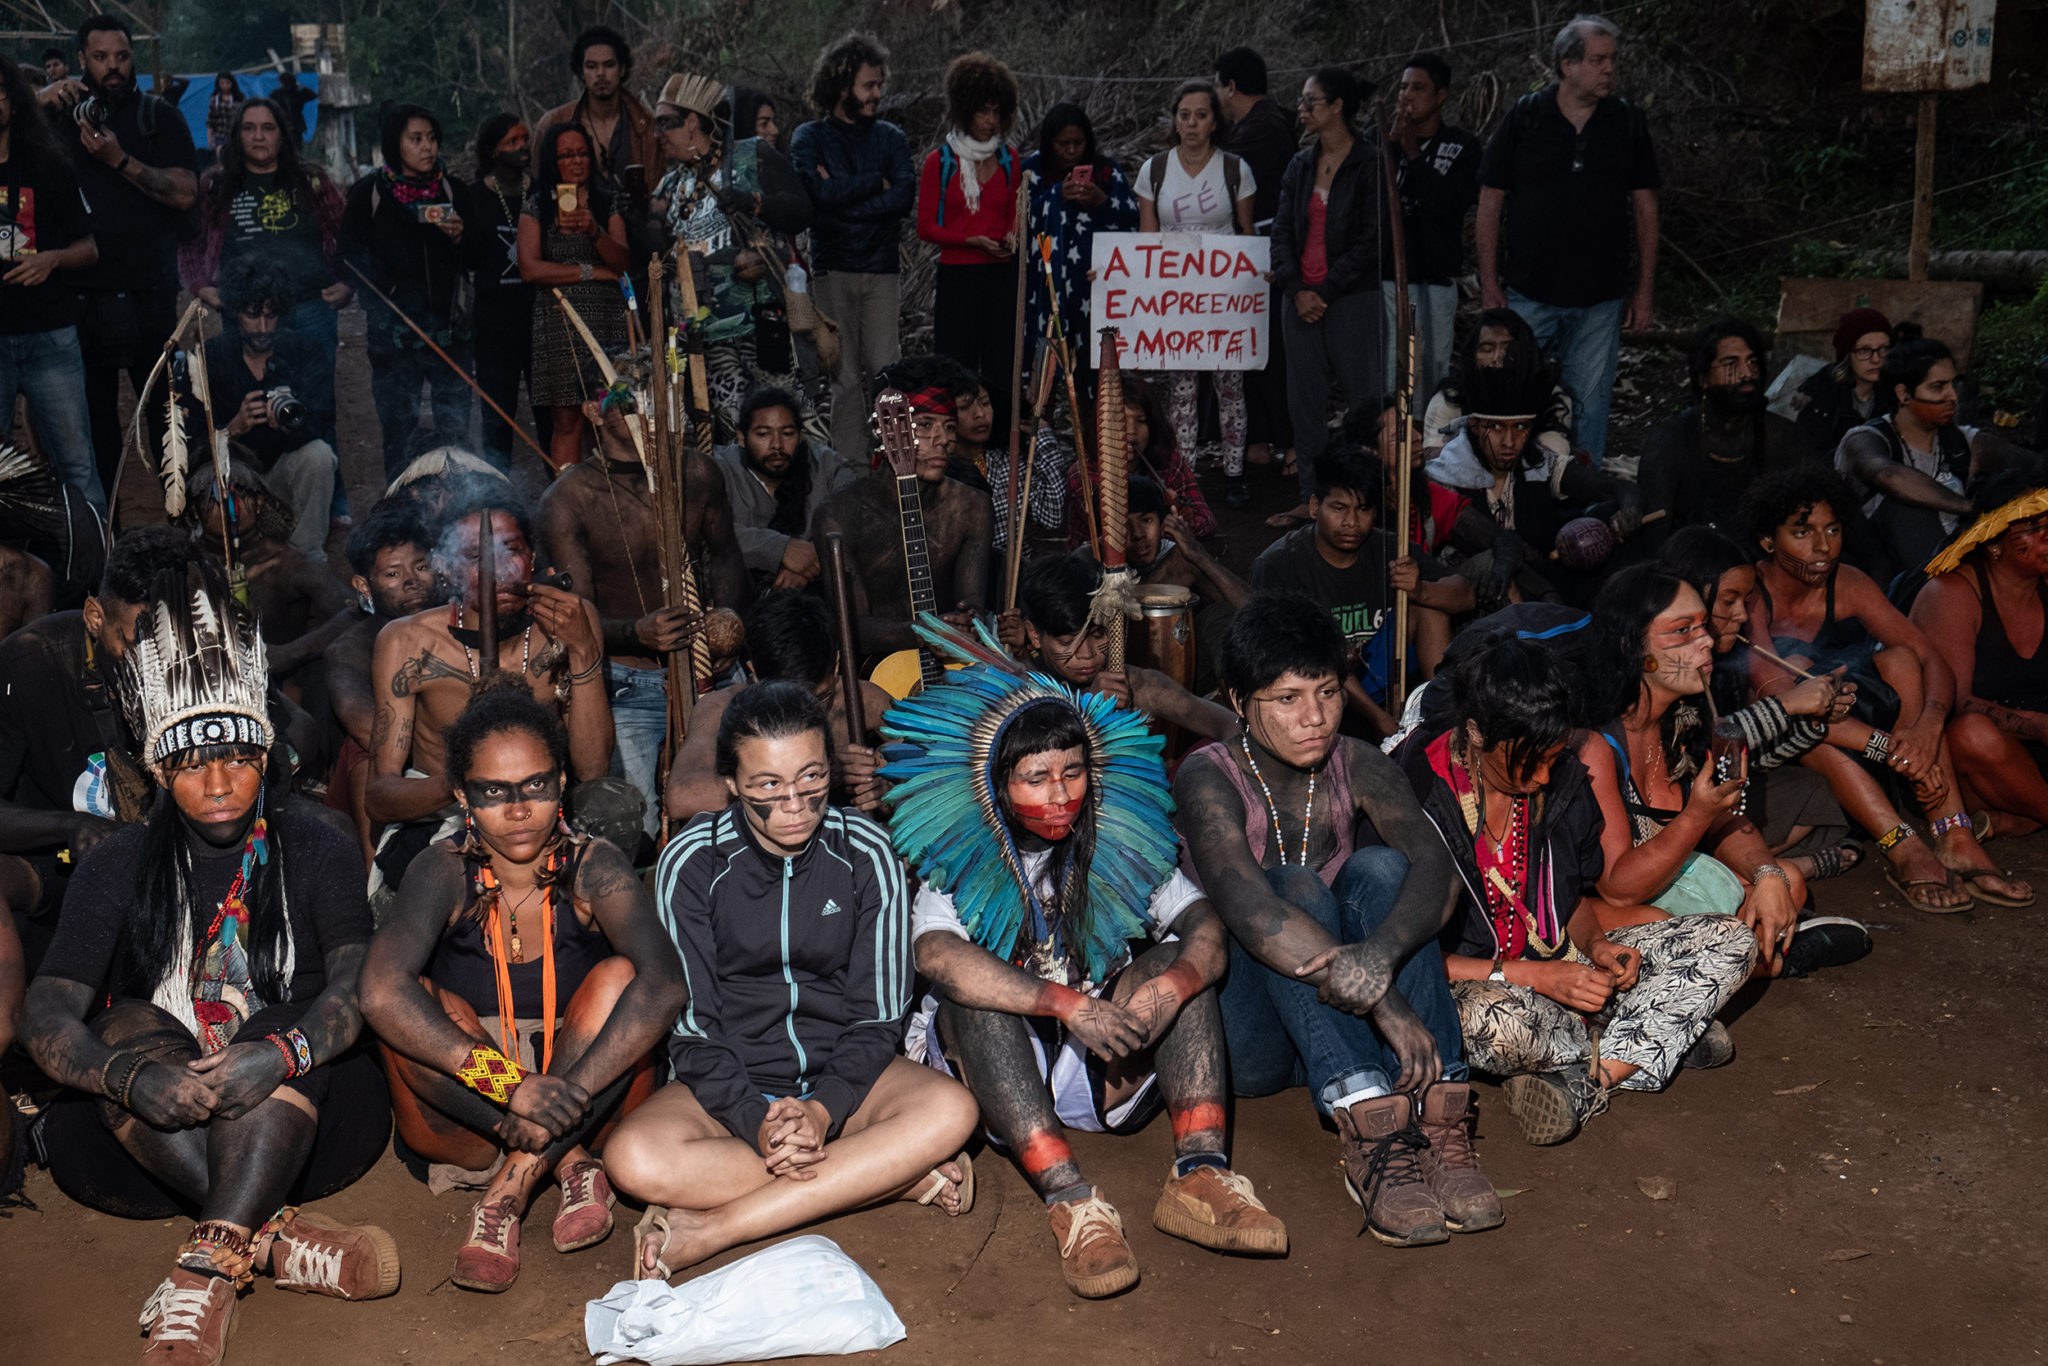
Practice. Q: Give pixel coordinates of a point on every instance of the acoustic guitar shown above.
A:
(907, 671)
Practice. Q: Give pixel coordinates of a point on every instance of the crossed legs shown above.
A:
(718, 1192)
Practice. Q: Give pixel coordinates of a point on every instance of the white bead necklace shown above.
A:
(1273, 812)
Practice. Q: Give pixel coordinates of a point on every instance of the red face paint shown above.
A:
(1050, 821)
(1202, 1117)
(1934, 414)
(1043, 1151)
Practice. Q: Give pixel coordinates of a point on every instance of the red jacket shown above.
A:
(997, 215)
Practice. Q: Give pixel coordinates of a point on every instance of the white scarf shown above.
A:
(972, 153)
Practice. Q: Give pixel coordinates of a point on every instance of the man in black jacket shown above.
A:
(135, 165)
(1438, 170)
(1264, 136)
(791, 1101)
(857, 169)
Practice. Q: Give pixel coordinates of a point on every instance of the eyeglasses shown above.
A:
(1871, 352)
(1311, 101)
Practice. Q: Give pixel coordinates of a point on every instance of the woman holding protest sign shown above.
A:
(1198, 187)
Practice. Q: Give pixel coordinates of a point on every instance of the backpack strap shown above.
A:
(1155, 175)
(949, 166)
(1232, 165)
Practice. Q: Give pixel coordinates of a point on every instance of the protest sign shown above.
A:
(1182, 300)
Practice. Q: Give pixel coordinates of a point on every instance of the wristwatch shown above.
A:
(1500, 970)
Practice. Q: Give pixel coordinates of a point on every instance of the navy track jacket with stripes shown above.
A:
(799, 969)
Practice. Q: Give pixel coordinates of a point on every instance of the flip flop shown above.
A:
(1980, 825)
(1972, 883)
(1834, 862)
(654, 1223)
(935, 1183)
(1905, 889)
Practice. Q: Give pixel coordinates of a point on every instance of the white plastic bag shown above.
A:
(804, 1297)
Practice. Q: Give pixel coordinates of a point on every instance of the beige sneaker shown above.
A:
(1094, 1257)
(1216, 1208)
(188, 1320)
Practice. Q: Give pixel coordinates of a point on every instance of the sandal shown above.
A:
(1905, 889)
(1973, 884)
(1834, 862)
(654, 1224)
(935, 1183)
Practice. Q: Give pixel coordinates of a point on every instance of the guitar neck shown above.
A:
(917, 569)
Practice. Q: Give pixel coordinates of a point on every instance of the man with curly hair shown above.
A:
(856, 167)
(619, 123)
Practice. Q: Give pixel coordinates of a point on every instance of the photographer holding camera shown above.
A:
(134, 160)
(287, 394)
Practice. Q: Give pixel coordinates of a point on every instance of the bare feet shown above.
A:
(948, 1185)
(1917, 867)
(672, 1239)
(1293, 517)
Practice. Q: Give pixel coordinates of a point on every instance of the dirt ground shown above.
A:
(1851, 1189)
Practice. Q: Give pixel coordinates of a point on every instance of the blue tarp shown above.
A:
(193, 106)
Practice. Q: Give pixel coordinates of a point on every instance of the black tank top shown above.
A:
(462, 960)
(2003, 675)
(1830, 643)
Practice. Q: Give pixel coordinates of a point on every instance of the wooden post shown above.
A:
(1923, 189)
(1017, 381)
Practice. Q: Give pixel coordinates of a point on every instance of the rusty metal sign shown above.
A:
(1927, 44)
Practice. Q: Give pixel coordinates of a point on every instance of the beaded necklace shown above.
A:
(213, 956)
(1504, 868)
(501, 933)
(469, 656)
(1273, 812)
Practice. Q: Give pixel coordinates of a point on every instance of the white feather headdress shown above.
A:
(196, 675)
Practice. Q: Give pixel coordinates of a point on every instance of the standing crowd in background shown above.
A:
(1502, 805)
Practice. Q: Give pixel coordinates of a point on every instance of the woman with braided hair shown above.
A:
(200, 996)
(516, 990)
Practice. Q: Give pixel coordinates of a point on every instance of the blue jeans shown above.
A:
(48, 370)
(318, 324)
(639, 725)
(1587, 343)
(1279, 1035)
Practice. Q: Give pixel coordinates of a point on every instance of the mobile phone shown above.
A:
(433, 213)
(1082, 175)
(565, 199)
(1727, 749)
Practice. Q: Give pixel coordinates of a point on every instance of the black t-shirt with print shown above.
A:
(267, 218)
(1360, 597)
(1569, 220)
(40, 210)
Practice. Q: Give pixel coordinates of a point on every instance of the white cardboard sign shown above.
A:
(1182, 300)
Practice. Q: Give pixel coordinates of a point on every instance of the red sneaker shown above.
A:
(585, 1217)
(489, 1261)
(188, 1320)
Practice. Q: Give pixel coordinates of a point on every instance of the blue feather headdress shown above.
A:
(948, 825)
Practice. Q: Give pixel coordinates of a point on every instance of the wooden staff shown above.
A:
(1055, 329)
(700, 431)
(1109, 449)
(216, 441)
(664, 487)
(1041, 386)
(849, 656)
(1404, 378)
(398, 313)
(1022, 224)
(486, 593)
(1778, 660)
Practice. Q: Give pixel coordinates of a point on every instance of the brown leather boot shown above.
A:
(1383, 1172)
(1450, 1164)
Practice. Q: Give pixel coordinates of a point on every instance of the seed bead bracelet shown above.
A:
(490, 1074)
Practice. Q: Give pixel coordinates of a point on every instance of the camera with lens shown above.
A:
(288, 411)
(92, 111)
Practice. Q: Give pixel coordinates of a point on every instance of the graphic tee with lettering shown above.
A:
(267, 218)
(1199, 203)
(1360, 597)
